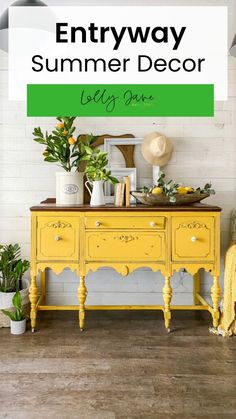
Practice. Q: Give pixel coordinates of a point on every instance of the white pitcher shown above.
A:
(97, 192)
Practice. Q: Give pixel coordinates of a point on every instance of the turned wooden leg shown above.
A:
(196, 287)
(82, 294)
(33, 296)
(43, 286)
(167, 294)
(215, 296)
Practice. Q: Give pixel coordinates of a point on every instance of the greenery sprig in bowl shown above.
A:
(172, 192)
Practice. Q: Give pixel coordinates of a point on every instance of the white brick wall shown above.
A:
(205, 149)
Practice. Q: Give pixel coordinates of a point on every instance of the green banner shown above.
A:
(120, 99)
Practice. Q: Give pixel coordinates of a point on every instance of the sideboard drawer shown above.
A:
(57, 238)
(193, 238)
(125, 246)
(137, 222)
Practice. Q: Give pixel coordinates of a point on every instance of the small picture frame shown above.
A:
(120, 173)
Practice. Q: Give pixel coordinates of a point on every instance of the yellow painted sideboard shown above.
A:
(165, 239)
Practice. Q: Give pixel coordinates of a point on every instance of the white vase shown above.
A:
(69, 188)
(97, 193)
(17, 328)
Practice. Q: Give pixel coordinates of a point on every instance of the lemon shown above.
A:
(182, 190)
(189, 189)
(157, 190)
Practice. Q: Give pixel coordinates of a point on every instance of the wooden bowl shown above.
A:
(162, 199)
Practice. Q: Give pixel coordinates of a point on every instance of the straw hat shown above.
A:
(156, 149)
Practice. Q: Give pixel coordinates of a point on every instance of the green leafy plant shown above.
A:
(63, 148)
(18, 314)
(12, 267)
(96, 167)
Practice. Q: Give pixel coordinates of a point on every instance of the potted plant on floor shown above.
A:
(97, 174)
(12, 269)
(17, 317)
(71, 153)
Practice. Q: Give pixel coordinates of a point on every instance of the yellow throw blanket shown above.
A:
(227, 325)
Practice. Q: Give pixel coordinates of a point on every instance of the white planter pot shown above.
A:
(17, 328)
(69, 188)
(6, 303)
(97, 192)
(6, 297)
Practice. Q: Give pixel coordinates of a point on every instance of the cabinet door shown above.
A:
(58, 238)
(193, 238)
(125, 246)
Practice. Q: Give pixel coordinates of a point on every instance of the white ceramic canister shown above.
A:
(69, 188)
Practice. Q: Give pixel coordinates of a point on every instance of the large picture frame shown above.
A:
(111, 142)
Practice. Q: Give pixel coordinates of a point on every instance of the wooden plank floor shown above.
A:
(123, 366)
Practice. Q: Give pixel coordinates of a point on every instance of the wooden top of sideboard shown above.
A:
(50, 205)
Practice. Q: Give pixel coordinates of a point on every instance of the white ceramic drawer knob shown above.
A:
(152, 224)
(193, 239)
(98, 223)
(57, 238)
